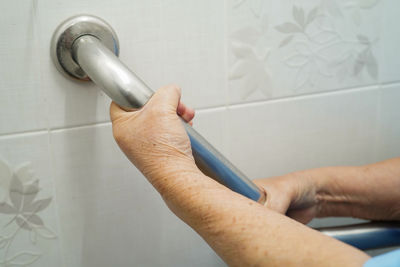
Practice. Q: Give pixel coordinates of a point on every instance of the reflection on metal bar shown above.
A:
(86, 48)
(366, 235)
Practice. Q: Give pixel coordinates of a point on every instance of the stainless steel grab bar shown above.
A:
(365, 236)
(86, 48)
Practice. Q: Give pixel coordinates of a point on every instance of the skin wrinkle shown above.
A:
(154, 140)
(349, 198)
(338, 191)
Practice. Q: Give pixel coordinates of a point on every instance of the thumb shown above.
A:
(166, 99)
(116, 111)
(276, 201)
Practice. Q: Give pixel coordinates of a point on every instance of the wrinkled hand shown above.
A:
(293, 194)
(153, 137)
(366, 192)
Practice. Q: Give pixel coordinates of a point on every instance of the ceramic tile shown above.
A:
(21, 98)
(163, 42)
(99, 210)
(104, 202)
(109, 213)
(286, 48)
(305, 132)
(388, 143)
(390, 70)
(192, 34)
(211, 124)
(27, 181)
(75, 103)
(182, 246)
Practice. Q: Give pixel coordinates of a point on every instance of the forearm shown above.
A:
(369, 192)
(245, 233)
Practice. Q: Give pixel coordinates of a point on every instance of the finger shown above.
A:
(166, 98)
(185, 112)
(276, 203)
(115, 111)
(303, 215)
(276, 199)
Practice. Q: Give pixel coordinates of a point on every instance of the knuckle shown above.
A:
(157, 111)
(175, 88)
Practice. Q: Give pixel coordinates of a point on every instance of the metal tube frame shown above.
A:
(86, 48)
(128, 90)
(366, 236)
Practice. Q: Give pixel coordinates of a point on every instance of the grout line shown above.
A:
(52, 130)
(77, 127)
(296, 97)
(211, 108)
(390, 83)
(23, 133)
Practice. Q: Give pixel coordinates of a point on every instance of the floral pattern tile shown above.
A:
(29, 234)
(109, 213)
(284, 48)
(390, 71)
(69, 197)
(22, 207)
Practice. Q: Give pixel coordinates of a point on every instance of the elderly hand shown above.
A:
(241, 231)
(294, 195)
(366, 192)
(153, 137)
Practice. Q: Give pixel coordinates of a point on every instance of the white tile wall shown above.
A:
(148, 32)
(274, 138)
(181, 246)
(388, 143)
(272, 97)
(192, 55)
(118, 218)
(321, 45)
(26, 158)
(109, 214)
(22, 102)
(390, 71)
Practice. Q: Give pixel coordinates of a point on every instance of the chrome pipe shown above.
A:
(128, 90)
(106, 70)
(85, 47)
(366, 236)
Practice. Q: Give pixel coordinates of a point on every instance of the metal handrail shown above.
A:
(86, 48)
(366, 236)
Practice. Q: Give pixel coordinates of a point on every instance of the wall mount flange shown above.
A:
(69, 31)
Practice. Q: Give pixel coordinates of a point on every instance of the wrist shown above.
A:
(158, 165)
(192, 196)
(339, 191)
(164, 172)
